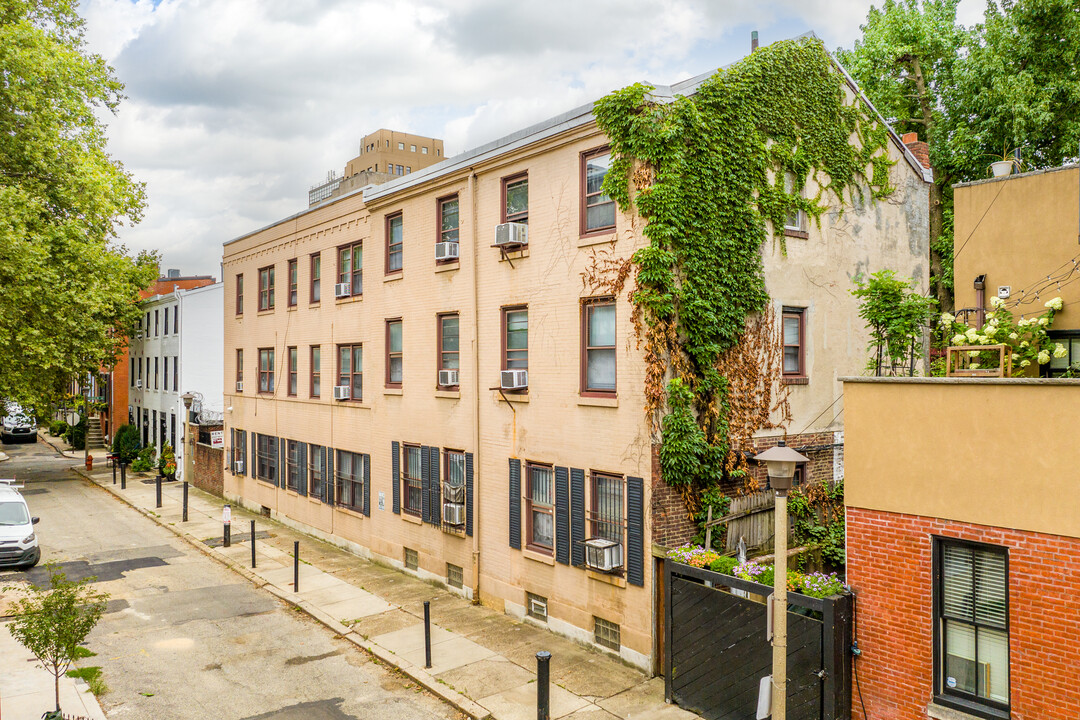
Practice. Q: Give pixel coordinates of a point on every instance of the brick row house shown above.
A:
(417, 371)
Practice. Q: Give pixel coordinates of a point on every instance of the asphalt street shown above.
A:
(183, 637)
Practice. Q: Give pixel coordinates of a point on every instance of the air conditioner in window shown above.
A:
(453, 514)
(238, 467)
(511, 234)
(138, 383)
(342, 290)
(446, 251)
(239, 386)
(603, 554)
(514, 379)
(342, 392)
(454, 493)
(448, 378)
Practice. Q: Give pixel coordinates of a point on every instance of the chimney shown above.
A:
(919, 149)
(173, 273)
(753, 41)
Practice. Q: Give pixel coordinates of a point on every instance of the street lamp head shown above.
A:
(187, 398)
(781, 461)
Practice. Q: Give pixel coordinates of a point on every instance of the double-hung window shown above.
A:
(448, 220)
(393, 354)
(165, 371)
(266, 370)
(316, 371)
(157, 323)
(240, 294)
(453, 484)
(449, 349)
(351, 268)
(394, 243)
(597, 209)
(515, 206)
(292, 465)
(795, 221)
(598, 347)
(156, 374)
(351, 370)
(794, 344)
(349, 487)
(293, 358)
(411, 488)
(294, 273)
(316, 278)
(176, 373)
(266, 288)
(166, 321)
(515, 322)
(971, 626)
(540, 508)
(239, 370)
(316, 470)
(266, 458)
(606, 507)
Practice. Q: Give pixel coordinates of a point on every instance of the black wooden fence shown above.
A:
(717, 648)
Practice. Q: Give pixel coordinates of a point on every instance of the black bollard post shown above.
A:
(427, 633)
(123, 476)
(157, 489)
(114, 471)
(296, 566)
(185, 501)
(252, 544)
(226, 515)
(543, 677)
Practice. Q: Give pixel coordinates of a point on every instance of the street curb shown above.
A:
(454, 697)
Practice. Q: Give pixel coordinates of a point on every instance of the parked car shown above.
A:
(19, 425)
(18, 541)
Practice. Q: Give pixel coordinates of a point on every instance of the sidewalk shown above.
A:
(483, 662)
(28, 687)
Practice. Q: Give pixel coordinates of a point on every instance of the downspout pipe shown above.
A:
(474, 236)
(980, 300)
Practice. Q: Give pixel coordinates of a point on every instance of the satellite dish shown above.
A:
(72, 417)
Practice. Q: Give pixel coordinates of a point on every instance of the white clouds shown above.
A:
(236, 107)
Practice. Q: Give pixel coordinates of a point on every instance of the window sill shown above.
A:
(607, 236)
(596, 401)
(940, 712)
(446, 266)
(351, 512)
(349, 299)
(512, 397)
(392, 391)
(408, 517)
(393, 276)
(538, 557)
(358, 404)
(795, 380)
(269, 311)
(455, 394)
(314, 303)
(801, 234)
(616, 580)
(292, 308)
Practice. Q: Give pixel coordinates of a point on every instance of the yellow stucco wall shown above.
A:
(1018, 230)
(991, 452)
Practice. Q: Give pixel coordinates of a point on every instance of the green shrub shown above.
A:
(75, 435)
(145, 460)
(126, 443)
(725, 565)
(57, 428)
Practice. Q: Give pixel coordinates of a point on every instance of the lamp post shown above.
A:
(780, 461)
(189, 447)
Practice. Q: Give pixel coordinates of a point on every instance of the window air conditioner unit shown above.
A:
(514, 379)
(239, 386)
(511, 234)
(342, 290)
(454, 493)
(603, 555)
(341, 392)
(448, 378)
(453, 514)
(138, 383)
(238, 467)
(446, 251)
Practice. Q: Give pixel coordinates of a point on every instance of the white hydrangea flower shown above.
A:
(996, 302)
(974, 366)
(1044, 322)
(990, 330)
(947, 318)
(957, 340)
(1013, 336)
(1055, 304)
(1021, 323)
(1044, 357)
(973, 353)
(1025, 363)
(1060, 351)
(1014, 357)
(1024, 344)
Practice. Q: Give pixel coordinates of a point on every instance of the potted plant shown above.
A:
(1003, 165)
(167, 462)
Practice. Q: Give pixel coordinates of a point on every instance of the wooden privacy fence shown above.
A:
(749, 517)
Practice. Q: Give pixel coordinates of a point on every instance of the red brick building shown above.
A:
(963, 547)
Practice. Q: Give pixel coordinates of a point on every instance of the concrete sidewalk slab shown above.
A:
(519, 703)
(449, 654)
(27, 689)
(359, 607)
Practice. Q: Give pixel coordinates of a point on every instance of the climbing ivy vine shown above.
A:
(710, 174)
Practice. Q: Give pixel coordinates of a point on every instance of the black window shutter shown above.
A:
(425, 485)
(562, 516)
(282, 462)
(367, 485)
(515, 503)
(328, 478)
(468, 493)
(301, 470)
(436, 487)
(395, 464)
(254, 454)
(635, 531)
(577, 517)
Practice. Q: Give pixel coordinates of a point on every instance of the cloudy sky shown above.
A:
(236, 107)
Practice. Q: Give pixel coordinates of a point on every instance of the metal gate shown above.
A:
(718, 651)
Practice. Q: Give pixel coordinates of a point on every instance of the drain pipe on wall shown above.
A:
(476, 390)
(980, 300)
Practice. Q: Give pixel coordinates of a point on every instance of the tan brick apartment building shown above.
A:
(362, 349)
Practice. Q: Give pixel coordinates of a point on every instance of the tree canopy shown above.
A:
(67, 288)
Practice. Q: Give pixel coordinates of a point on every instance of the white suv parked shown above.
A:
(18, 542)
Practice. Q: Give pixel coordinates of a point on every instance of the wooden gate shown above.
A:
(717, 649)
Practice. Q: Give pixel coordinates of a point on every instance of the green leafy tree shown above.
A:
(53, 623)
(67, 289)
(896, 317)
(126, 443)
